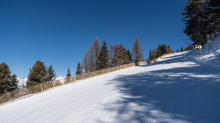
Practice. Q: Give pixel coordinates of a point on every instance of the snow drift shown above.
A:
(210, 52)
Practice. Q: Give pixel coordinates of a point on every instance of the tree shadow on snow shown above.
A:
(184, 94)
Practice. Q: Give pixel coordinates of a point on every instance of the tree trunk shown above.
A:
(210, 36)
(206, 39)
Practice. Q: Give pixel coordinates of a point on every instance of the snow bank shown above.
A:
(210, 52)
(23, 81)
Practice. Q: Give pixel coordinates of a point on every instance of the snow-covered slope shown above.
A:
(210, 52)
(172, 90)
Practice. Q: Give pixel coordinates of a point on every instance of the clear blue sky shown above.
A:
(58, 32)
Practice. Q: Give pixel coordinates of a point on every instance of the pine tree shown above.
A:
(150, 56)
(137, 50)
(79, 69)
(190, 47)
(181, 49)
(195, 23)
(153, 54)
(185, 49)
(120, 57)
(129, 56)
(103, 58)
(50, 74)
(68, 76)
(177, 50)
(37, 74)
(14, 82)
(4, 78)
(211, 10)
(68, 72)
(163, 49)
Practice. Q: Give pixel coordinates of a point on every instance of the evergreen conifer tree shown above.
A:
(5, 78)
(120, 57)
(103, 58)
(163, 49)
(137, 50)
(195, 23)
(14, 82)
(190, 47)
(129, 56)
(181, 49)
(79, 69)
(150, 56)
(37, 74)
(68, 72)
(177, 50)
(50, 74)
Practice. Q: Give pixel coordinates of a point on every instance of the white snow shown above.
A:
(23, 81)
(210, 52)
(176, 89)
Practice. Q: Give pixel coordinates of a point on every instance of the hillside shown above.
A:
(174, 89)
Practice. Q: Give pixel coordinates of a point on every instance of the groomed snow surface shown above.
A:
(172, 90)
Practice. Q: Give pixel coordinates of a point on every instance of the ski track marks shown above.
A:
(172, 90)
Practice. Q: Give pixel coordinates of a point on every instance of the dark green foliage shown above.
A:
(103, 58)
(190, 47)
(185, 49)
(194, 18)
(68, 72)
(150, 56)
(181, 49)
(14, 82)
(129, 56)
(7, 82)
(50, 73)
(37, 74)
(201, 18)
(212, 12)
(121, 56)
(177, 50)
(79, 69)
(163, 49)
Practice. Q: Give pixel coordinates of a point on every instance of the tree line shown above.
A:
(99, 57)
(38, 74)
(201, 19)
(96, 57)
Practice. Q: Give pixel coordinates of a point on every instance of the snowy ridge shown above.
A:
(210, 52)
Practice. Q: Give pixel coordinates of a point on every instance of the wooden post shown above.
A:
(41, 87)
(200, 50)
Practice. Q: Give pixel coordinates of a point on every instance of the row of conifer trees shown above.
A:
(96, 57)
(99, 57)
